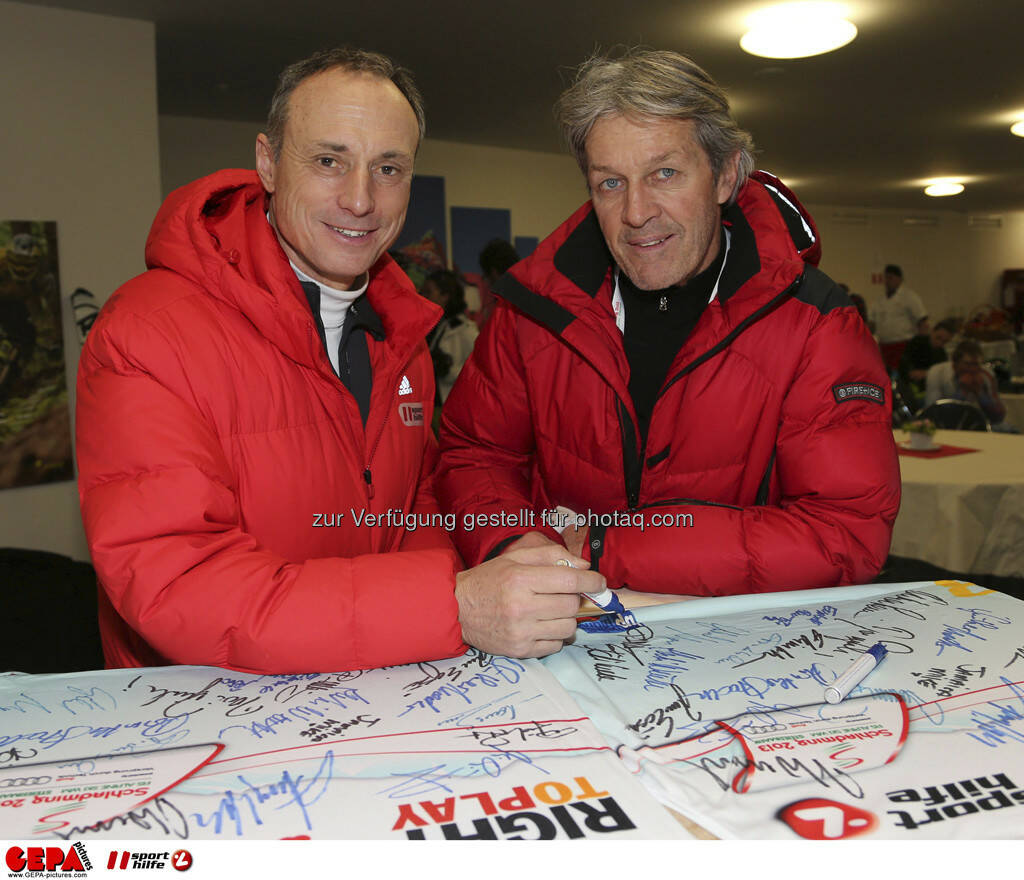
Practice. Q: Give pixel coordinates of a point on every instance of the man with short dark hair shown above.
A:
(671, 370)
(924, 351)
(897, 317)
(255, 458)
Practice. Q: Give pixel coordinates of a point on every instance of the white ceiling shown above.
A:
(927, 89)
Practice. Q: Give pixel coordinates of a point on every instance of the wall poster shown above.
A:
(35, 430)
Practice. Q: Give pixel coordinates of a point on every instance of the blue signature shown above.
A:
(816, 617)
(305, 712)
(238, 808)
(995, 729)
(430, 780)
(504, 707)
(162, 731)
(978, 619)
(501, 670)
(758, 686)
(715, 633)
(665, 666)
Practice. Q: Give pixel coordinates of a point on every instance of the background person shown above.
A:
(964, 378)
(922, 353)
(496, 258)
(897, 317)
(451, 341)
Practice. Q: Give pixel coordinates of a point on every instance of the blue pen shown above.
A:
(608, 602)
(841, 687)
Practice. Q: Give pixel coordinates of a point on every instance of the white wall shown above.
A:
(79, 146)
(953, 265)
(191, 148)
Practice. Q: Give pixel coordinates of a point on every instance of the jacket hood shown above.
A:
(773, 238)
(192, 233)
(215, 233)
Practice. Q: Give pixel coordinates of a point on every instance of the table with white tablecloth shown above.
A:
(964, 512)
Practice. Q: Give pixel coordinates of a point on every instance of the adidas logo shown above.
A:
(405, 387)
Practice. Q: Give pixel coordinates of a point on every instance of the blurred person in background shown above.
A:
(897, 317)
(451, 341)
(965, 378)
(924, 351)
(496, 258)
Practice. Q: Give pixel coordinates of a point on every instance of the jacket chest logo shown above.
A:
(411, 414)
(404, 387)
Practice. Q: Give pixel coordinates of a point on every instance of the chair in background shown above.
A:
(955, 415)
(49, 613)
(905, 401)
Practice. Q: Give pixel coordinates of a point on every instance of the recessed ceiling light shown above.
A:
(1018, 129)
(944, 187)
(797, 30)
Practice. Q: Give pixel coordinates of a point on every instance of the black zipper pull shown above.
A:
(369, 482)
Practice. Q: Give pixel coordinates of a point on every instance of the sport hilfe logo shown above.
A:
(822, 819)
(980, 795)
(180, 860)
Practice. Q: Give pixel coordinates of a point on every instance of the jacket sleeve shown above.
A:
(487, 446)
(835, 491)
(161, 512)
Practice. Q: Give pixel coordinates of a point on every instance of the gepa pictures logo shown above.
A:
(51, 860)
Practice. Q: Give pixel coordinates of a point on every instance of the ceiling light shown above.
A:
(944, 187)
(797, 30)
(1018, 129)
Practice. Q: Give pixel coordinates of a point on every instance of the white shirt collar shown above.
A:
(334, 303)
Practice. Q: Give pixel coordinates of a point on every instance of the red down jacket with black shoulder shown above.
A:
(221, 459)
(770, 449)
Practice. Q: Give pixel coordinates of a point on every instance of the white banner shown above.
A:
(477, 747)
(718, 706)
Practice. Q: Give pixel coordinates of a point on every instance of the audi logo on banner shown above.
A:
(22, 782)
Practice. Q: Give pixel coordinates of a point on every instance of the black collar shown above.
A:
(360, 314)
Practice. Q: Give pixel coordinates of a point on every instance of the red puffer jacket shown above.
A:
(770, 451)
(221, 460)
